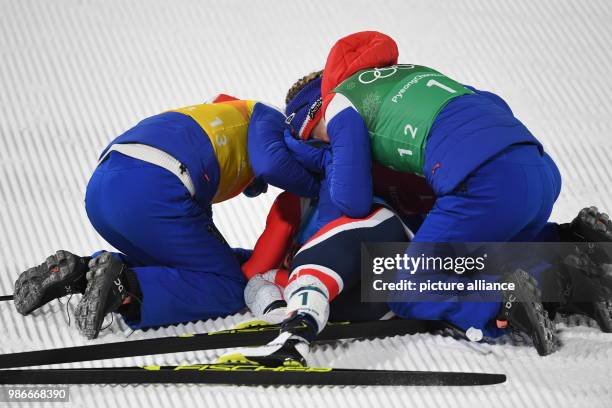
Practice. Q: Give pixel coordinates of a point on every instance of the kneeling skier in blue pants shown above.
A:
(150, 197)
(491, 178)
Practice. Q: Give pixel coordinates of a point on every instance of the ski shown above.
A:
(246, 375)
(254, 336)
(6, 298)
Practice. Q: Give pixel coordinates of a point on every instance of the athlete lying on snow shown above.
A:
(312, 273)
(150, 197)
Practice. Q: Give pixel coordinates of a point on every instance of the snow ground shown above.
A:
(75, 73)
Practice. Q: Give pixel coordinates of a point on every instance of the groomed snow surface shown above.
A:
(76, 73)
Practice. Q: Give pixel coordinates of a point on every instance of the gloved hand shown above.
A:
(270, 157)
(262, 294)
(258, 186)
(312, 158)
(242, 254)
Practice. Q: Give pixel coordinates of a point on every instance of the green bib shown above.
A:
(399, 104)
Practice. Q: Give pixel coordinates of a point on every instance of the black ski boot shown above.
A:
(586, 230)
(110, 284)
(590, 292)
(590, 225)
(522, 310)
(289, 349)
(60, 275)
(589, 268)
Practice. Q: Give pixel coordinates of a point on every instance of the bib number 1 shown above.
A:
(433, 82)
(404, 152)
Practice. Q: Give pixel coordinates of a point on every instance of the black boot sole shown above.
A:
(591, 225)
(603, 315)
(591, 289)
(600, 311)
(544, 338)
(58, 276)
(539, 327)
(104, 272)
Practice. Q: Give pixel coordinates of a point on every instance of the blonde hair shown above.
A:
(300, 84)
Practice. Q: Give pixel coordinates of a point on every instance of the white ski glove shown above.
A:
(259, 295)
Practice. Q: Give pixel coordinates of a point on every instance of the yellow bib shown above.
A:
(226, 124)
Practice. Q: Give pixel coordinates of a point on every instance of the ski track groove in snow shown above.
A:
(76, 73)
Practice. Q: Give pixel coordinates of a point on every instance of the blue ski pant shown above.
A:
(509, 198)
(185, 269)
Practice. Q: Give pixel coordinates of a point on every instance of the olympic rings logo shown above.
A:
(371, 75)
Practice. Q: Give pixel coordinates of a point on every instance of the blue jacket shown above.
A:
(180, 136)
(469, 130)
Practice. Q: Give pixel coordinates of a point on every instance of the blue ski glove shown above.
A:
(311, 157)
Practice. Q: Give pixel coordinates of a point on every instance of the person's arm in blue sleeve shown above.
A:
(314, 156)
(350, 172)
(493, 97)
(271, 159)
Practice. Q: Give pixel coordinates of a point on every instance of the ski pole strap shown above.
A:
(155, 156)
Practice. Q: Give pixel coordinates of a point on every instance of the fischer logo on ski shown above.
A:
(230, 367)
